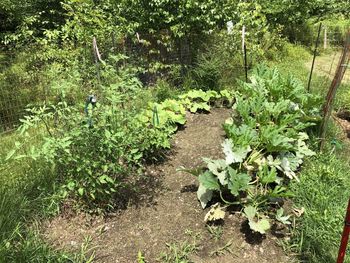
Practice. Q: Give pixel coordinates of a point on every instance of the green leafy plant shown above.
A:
(266, 144)
(256, 223)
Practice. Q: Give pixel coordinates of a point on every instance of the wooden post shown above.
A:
(245, 63)
(243, 39)
(244, 51)
(98, 59)
(342, 66)
(314, 58)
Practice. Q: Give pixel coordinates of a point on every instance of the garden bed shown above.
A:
(167, 212)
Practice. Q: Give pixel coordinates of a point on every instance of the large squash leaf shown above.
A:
(237, 181)
(234, 155)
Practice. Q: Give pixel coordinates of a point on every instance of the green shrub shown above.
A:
(94, 152)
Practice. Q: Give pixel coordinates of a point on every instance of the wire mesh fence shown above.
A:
(156, 59)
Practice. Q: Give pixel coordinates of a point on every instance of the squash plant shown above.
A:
(265, 146)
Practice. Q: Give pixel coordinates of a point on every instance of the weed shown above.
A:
(222, 250)
(140, 258)
(180, 252)
(215, 231)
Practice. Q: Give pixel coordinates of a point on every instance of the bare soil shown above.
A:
(343, 118)
(167, 209)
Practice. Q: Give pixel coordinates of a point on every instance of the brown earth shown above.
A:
(343, 118)
(168, 211)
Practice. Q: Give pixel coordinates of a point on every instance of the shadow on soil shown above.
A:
(252, 238)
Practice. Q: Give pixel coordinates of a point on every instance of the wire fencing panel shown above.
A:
(12, 104)
(153, 54)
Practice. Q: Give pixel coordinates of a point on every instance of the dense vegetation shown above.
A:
(101, 87)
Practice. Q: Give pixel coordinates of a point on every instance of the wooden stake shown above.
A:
(243, 39)
(314, 58)
(98, 59)
(245, 63)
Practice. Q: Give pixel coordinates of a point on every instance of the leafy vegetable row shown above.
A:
(265, 146)
(94, 155)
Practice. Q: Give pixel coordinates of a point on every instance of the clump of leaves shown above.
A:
(266, 144)
(196, 100)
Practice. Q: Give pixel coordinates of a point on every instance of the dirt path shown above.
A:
(170, 211)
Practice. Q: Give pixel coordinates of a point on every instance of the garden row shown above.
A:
(95, 153)
(267, 141)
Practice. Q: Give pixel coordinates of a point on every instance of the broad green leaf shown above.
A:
(108, 134)
(71, 185)
(237, 181)
(102, 179)
(81, 191)
(204, 195)
(234, 155)
(209, 181)
(281, 218)
(303, 150)
(218, 168)
(250, 212)
(261, 226)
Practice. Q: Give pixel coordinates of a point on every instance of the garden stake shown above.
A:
(313, 60)
(345, 236)
(98, 59)
(245, 63)
(155, 116)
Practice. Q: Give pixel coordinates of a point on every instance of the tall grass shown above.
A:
(27, 194)
(20, 204)
(323, 191)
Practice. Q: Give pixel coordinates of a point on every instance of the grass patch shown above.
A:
(323, 191)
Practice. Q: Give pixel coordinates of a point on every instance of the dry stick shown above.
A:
(97, 59)
(342, 66)
(314, 58)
